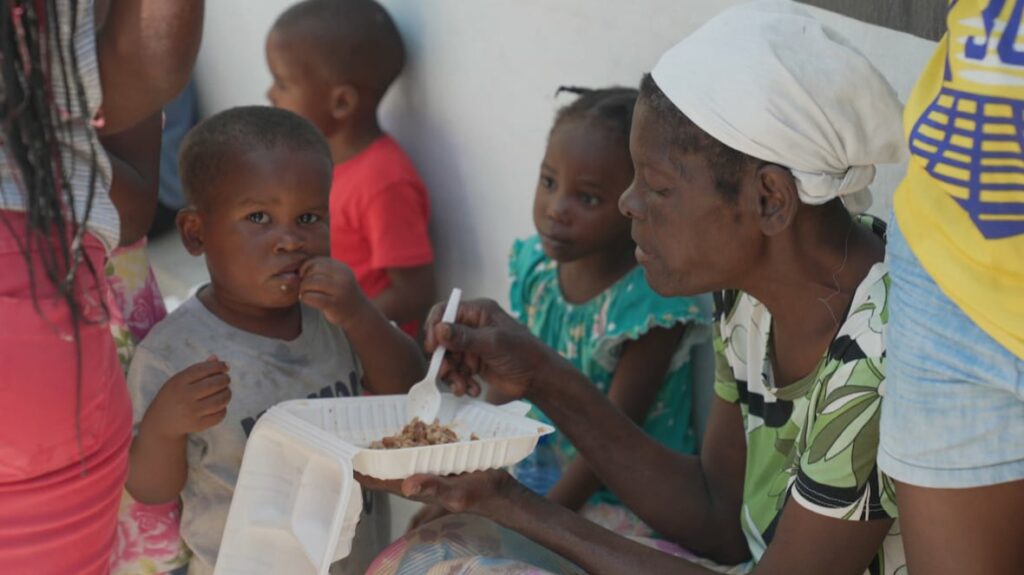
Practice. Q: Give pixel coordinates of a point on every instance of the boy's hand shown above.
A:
(330, 286)
(192, 400)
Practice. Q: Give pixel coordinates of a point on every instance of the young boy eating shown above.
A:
(279, 320)
(332, 62)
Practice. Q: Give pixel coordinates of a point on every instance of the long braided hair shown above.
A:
(37, 52)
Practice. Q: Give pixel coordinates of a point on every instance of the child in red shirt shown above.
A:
(332, 62)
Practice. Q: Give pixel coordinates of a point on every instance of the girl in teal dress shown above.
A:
(577, 285)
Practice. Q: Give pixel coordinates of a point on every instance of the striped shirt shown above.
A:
(103, 218)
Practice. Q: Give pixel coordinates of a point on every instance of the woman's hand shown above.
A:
(476, 492)
(484, 341)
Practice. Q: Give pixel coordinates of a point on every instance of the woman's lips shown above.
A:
(641, 255)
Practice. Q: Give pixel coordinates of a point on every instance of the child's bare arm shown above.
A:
(391, 360)
(194, 399)
(638, 377)
(410, 295)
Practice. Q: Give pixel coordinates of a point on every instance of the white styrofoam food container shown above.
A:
(296, 503)
(505, 435)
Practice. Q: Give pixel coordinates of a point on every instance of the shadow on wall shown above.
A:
(408, 115)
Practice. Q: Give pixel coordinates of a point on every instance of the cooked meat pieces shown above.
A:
(417, 434)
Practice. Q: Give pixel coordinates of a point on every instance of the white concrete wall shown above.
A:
(476, 101)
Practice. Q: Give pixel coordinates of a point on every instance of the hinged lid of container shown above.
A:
(296, 503)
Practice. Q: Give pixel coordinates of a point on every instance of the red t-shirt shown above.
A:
(379, 215)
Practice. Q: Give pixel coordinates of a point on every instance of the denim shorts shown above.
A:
(953, 408)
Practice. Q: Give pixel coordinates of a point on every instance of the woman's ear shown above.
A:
(344, 101)
(190, 228)
(778, 198)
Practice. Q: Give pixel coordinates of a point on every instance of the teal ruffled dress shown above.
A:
(592, 336)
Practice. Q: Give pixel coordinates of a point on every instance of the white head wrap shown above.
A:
(769, 80)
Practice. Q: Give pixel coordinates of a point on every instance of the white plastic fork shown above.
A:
(424, 399)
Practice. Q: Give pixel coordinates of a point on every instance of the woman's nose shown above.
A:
(630, 204)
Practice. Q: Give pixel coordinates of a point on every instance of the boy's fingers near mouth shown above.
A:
(312, 265)
(306, 265)
(316, 282)
(315, 299)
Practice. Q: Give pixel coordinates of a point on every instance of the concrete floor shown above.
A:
(178, 273)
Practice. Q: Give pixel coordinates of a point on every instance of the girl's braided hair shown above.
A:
(35, 121)
(613, 106)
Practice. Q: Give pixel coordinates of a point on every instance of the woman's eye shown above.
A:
(309, 219)
(547, 182)
(259, 217)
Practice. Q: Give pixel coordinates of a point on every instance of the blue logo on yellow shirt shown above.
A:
(970, 137)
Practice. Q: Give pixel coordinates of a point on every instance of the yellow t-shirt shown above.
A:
(961, 206)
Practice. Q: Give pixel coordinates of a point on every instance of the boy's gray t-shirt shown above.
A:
(264, 371)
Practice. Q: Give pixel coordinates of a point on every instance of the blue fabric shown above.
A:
(953, 413)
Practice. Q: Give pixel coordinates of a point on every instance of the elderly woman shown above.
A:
(753, 140)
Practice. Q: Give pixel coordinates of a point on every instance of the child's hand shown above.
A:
(330, 286)
(194, 399)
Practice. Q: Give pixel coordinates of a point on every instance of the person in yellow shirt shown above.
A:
(953, 417)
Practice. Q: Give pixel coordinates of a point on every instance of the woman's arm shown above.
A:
(805, 543)
(698, 499)
(146, 50)
(135, 158)
(690, 500)
(496, 495)
(638, 378)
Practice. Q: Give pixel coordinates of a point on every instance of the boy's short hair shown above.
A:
(214, 142)
(726, 164)
(354, 41)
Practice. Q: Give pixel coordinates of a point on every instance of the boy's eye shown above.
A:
(309, 219)
(259, 218)
(547, 182)
(590, 200)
